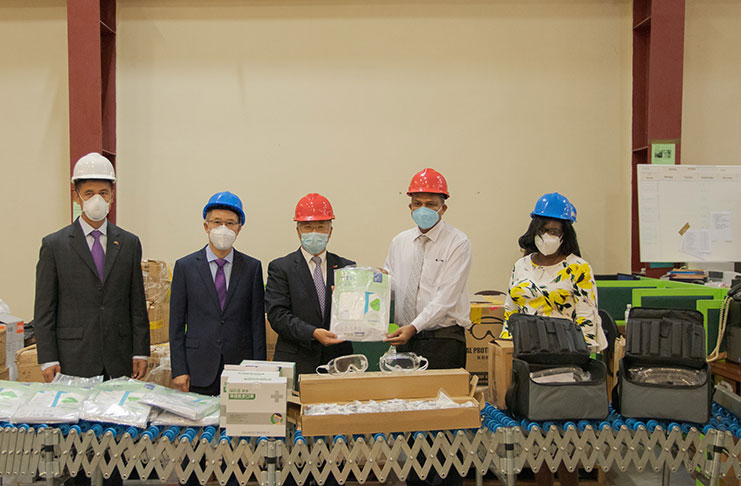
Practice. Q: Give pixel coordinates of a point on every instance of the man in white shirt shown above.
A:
(429, 267)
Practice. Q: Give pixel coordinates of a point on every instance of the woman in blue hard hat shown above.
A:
(552, 279)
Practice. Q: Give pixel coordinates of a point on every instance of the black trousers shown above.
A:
(441, 353)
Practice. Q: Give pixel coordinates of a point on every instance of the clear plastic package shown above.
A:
(667, 375)
(167, 418)
(157, 281)
(62, 379)
(52, 404)
(188, 405)
(360, 304)
(13, 395)
(119, 402)
(162, 373)
(561, 374)
(443, 401)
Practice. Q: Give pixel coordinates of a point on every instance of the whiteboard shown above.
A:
(689, 213)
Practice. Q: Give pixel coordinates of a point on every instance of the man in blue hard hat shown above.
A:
(218, 292)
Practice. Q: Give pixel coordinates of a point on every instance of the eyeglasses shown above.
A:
(553, 232)
(232, 225)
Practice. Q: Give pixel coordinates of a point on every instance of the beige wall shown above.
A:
(711, 108)
(271, 100)
(34, 151)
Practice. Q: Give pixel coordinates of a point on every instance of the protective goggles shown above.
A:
(344, 365)
(401, 362)
(489, 326)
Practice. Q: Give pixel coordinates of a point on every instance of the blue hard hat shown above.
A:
(556, 206)
(225, 200)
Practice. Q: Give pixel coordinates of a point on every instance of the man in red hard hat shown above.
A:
(298, 292)
(429, 266)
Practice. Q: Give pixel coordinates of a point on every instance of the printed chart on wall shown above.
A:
(689, 213)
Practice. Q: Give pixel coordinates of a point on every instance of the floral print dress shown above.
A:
(566, 289)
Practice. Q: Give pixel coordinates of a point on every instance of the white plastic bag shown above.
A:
(360, 304)
(118, 401)
(188, 405)
(13, 395)
(168, 418)
(52, 404)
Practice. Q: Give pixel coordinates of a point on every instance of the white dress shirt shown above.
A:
(214, 266)
(312, 266)
(442, 299)
(87, 230)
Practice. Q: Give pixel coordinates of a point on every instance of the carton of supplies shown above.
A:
(366, 403)
(253, 402)
(500, 370)
(14, 328)
(487, 318)
(29, 370)
(360, 304)
(157, 281)
(285, 368)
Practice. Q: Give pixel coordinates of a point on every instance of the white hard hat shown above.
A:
(93, 166)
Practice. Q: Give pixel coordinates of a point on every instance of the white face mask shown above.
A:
(547, 244)
(96, 208)
(222, 237)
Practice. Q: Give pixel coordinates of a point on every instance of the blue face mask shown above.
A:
(425, 218)
(314, 243)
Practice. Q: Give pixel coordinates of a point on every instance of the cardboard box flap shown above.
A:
(383, 386)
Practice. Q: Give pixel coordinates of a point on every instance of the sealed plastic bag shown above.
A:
(52, 404)
(61, 379)
(667, 375)
(188, 405)
(119, 402)
(13, 395)
(167, 418)
(360, 304)
(561, 374)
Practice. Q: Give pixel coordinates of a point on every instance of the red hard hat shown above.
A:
(428, 180)
(313, 207)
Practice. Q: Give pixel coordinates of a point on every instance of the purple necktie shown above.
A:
(98, 255)
(220, 281)
(321, 287)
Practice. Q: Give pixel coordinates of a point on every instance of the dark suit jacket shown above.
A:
(86, 325)
(293, 311)
(236, 333)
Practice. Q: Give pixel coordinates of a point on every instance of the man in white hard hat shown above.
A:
(90, 314)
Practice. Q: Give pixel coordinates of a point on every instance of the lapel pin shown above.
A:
(334, 266)
(116, 243)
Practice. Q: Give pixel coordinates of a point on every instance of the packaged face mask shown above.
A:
(360, 304)
(52, 404)
(167, 418)
(119, 402)
(188, 405)
(344, 365)
(62, 379)
(14, 395)
(393, 362)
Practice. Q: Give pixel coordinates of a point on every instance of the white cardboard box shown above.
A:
(255, 406)
(286, 369)
(13, 341)
(231, 372)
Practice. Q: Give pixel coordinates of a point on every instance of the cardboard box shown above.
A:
(418, 385)
(285, 368)
(29, 369)
(255, 406)
(4, 373)
(487, 318)
(157, 282)
(500, 370)
(271, 338)
(232, 371)
(3, 358)
(13, 341)
(617, 355)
